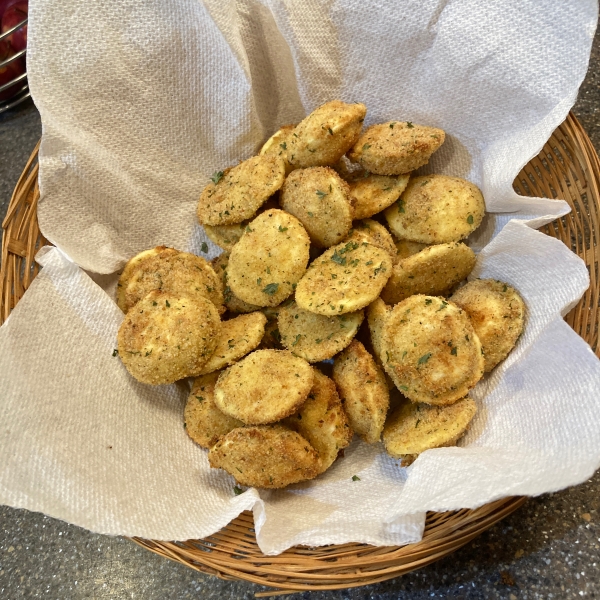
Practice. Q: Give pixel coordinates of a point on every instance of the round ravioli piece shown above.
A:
(232, 302)
(322, 421)
(168, 270)
(406, 248)
(396, 147)
(277, 145)
(319, 197)
(344, 279)
(227, 236)
(375, 233)
(316, 337)
(431, 350)
(237, 193)
(238, 337)
(363, 389)
(433, 271)
(270, 259)
(377, 313)
(264, 387)
(204, 422)
(414, 428)
(166, 337)
(497, 312)
(436, 209)
(373, 193)
(271, 456)
(326, 134)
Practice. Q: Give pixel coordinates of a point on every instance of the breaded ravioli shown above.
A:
(497, 312)
(264, 387)
(326, 134)
(166, 337)
(375, 233)
(204, 422)
(277, 145)
(232, 302)
(436, 209)
(406, 248)
(345, 278)
(371, 194)
(396, 147)
(362, 387)
(271, 456)
(431, 350)
(316, 337)
(377, 313)
(322, 421)
(433, 271)
(319, 197)
(237, 193)
(238, 337)
(168, 270)
(227, 236)
(270, 259)
(413, 428)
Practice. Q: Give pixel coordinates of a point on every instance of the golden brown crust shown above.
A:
(232, 302)
(326, 134)
(268, 456)
(396, 147)
(363, 389)
(431, 350)
(168, 270)
(373, 193)
(277, 145)
(406, 248)
(436, 209)
(237, 193)
(320, 199)
(374, 233)
(413, 428)
(166, 337)
(433, 271)
(322, 421)
(204, 422)
(270, 259)
(377, 313)
(497, 313)
(264, 387)
(345, 278)
(316, 337)
(238, 337)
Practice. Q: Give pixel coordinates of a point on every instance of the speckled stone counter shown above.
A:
(550, 548)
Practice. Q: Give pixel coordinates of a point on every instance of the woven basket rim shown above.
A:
(568, 167)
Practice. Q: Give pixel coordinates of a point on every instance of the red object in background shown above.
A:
(10, 71)
(15, 11)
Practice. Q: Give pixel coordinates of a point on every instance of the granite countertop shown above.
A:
(550, 548)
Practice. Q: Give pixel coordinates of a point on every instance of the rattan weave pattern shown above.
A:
(567, 167)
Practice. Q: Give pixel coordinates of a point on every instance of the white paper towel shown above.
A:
(140, 103)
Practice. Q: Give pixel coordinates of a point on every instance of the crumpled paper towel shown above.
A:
(140, 103)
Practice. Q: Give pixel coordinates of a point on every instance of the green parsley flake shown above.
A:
(401, 206)
(217, 176)
(424, 358)
(355, 478)
(115, 352)
(271, 288)
(470, 219)
(338, 258)
(409, 124)
(238, 490)
(454, 351)
(167, 304)
(282, 229)
(283, 145)
(204, 247)
(330, 130)
(321, 194)
(366, 146)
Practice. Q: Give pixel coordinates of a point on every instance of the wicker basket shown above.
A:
(568, 168)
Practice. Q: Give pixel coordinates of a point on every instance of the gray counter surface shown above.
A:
(550, 548)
